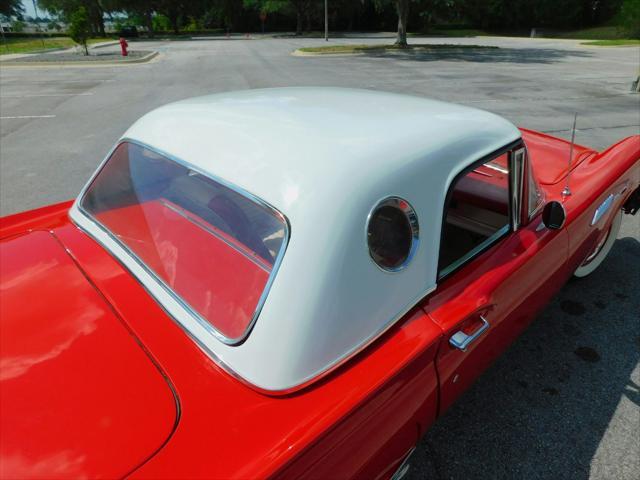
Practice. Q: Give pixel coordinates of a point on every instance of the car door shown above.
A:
(499, 265)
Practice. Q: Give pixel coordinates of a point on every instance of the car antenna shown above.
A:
(567, 191)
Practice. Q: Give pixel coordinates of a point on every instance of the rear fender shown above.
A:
(600, 186)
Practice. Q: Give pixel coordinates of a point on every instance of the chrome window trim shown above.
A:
(443, 272)
(530, 179)
(538, 208)
(516, 177)
(185, 306)
(412, 218)
(471, 254)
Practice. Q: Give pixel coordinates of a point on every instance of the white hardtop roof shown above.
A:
(324, 157)
(287, 145)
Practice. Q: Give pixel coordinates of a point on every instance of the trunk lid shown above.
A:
(80, 397)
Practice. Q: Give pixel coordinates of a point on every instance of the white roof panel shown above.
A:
(324, 157)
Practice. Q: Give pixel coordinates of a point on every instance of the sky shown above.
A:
(28, 9)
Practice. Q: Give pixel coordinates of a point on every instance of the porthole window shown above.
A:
(392, 234)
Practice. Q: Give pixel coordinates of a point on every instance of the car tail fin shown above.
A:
(626, 151)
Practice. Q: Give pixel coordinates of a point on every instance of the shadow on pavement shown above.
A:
(543, 409)
(480, 55)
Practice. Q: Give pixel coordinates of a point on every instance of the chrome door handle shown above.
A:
(461, 340)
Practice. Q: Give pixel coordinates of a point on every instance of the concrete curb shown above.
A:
(13, 56)
(105, 44)
(298, 53)
(105, 63)
(54, 50)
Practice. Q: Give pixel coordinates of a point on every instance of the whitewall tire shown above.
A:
(597, 256)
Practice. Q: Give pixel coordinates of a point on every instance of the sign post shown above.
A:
(326, 21)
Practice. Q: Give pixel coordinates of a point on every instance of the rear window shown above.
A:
(213, 247)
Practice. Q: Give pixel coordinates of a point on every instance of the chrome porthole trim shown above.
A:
(412, 218)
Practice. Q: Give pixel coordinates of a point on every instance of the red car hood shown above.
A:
(550, 154)
(79, 396)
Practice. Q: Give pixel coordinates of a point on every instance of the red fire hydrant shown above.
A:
(123, 46)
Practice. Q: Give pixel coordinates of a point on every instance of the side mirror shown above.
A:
(553, 215)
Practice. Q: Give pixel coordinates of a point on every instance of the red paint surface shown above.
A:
(551, 154)
(507, 285)
(79, 398)
(228, 430)
(214, 275)
(614, 171)
(357, 422)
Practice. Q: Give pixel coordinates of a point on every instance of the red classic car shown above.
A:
(286, 283)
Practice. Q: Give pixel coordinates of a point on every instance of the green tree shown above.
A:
(11, 8)
(79, 28)
(300, 8)
(95, 10)
(53, 25)
(161, 23)
(630, 17)
(17, 26)
(142, 8)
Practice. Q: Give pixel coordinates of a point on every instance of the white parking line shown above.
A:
(28, 116)
(48, 95)
(55, 81)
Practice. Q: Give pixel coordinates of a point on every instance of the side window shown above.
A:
(477, 213)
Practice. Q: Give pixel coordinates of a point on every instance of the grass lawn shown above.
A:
(610, 35)
(595, 33)
(613, 43)
(457, 32)
(27, 45)
(333, 49)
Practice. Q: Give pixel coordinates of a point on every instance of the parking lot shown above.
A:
(564, 401)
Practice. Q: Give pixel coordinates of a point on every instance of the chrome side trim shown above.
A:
(602, 209)
(159, 282)
(403, 469)
(412, 218)
(496, 168)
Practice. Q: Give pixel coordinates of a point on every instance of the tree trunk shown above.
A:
(173, 19)
(86, 50)
(149, 21)
(101, 22)
(402, 7)
(174, 23)
(299, 21)
(95, 18)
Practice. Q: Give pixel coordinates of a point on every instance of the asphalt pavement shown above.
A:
(564, 400)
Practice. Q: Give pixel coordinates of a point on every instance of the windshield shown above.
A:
(215, 248)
